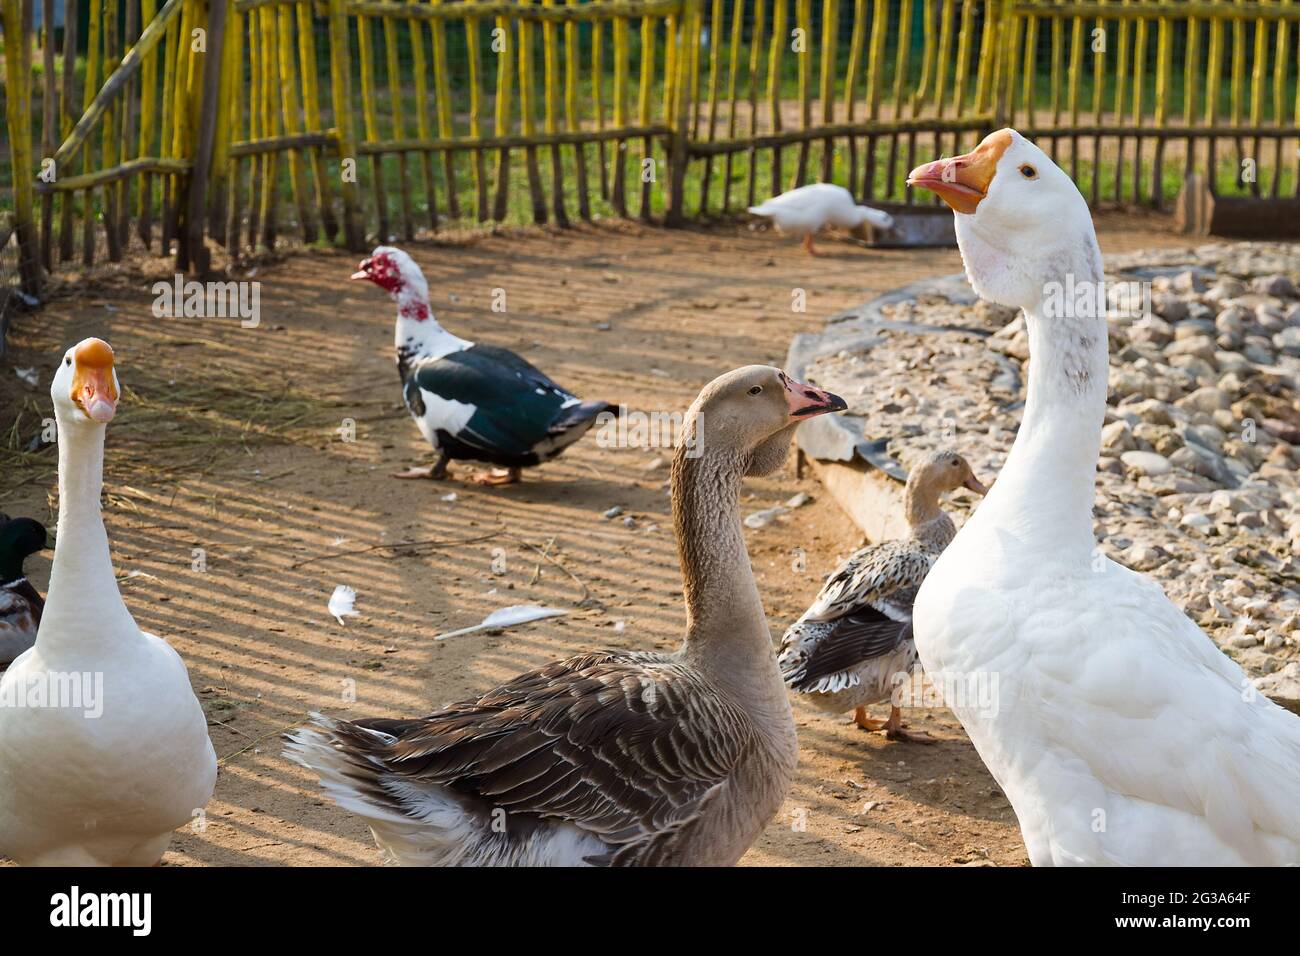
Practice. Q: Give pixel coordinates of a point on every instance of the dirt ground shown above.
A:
(282, 510)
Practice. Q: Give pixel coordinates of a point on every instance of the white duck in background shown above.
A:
(853, 646)
(104, 779)
(472, 402)
(1119, 732)
(809, 209)
(617, 758)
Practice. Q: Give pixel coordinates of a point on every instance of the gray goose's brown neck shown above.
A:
(727, 635)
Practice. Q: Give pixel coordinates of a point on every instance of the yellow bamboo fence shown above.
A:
(179, 124)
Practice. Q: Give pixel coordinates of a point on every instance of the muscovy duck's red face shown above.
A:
(382, 271)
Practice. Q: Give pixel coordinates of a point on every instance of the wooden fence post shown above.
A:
(191, 252)
(679, 157)
(341, 90)
(18, 103)
(1004, 68)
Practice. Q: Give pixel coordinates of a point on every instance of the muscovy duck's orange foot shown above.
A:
(808, 245)
(428, 471)
(498, 476)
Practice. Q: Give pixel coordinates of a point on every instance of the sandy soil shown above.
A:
(284, 512)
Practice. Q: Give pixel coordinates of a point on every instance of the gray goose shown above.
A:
(614, 758)
(849, 647)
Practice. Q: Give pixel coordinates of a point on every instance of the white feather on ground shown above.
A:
(342, 603)
(507, 617)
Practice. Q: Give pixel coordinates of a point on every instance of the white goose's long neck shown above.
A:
(418, 334)
(84, 608)
(727, 635)
(1045, 491)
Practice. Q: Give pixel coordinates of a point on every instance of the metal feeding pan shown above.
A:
(914, 227)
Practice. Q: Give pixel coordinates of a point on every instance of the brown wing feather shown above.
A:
(617, 744)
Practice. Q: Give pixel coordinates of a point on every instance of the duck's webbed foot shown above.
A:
(437, 471)
(498, 476)
(894, 730)
(808, 245)
(864, 722)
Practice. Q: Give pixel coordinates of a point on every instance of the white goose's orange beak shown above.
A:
(963, 181)
(807, 401)
(94, 388)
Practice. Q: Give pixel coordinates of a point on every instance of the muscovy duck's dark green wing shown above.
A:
(514, 404)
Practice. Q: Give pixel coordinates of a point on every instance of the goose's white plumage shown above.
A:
(808, 209)
(100, 781)
(1120, 733)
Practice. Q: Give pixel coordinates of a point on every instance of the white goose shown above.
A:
(100, 777)
(1120, 733)
(809, 209)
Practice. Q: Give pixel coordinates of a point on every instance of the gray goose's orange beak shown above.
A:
(808, 401)
(963, 181)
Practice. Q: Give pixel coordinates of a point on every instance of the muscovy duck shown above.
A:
(624, 758)
(20, 602)
(849, 648)
(472, 402)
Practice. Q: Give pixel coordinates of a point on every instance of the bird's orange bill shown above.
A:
(963, 181)
(807, 401)
(94, 389)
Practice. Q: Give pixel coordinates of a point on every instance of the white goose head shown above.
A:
(1021, 221)
(85, 387)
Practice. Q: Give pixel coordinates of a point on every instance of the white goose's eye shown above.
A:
(1028, 171)
(756, 389)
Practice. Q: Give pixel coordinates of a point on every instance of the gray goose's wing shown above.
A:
(627, 747)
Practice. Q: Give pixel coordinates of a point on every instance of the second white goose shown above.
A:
(807, 210)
